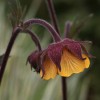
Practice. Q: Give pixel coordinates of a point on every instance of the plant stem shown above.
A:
(54, 21)
(64, 88)
(45, 24)
(67, 29)
(10, 44)
(52, 14)
(34, 38)
(8, 50)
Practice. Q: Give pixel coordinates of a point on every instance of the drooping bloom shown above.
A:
(62, 58)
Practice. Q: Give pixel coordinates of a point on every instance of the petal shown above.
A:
(71, 64)
(87, 61)
(74, 47)
(49, 68)
(54, 53)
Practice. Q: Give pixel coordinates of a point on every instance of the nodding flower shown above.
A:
(63, 57)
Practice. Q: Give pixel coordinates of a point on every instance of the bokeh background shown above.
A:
(19, 82)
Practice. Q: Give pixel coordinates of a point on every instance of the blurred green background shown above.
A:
(19, 82)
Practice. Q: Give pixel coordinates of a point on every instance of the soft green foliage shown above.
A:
(19, 82)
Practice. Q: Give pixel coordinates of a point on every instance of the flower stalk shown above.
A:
(45, 24)
(34, 38)
(15, 33)
(64, 88)
(8, 50)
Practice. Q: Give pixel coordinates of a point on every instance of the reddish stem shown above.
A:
(10, 45)
(34, 38)
(45, 24)
(8, 50)
(52, 14)
(64, 88)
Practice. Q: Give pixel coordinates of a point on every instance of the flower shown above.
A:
(64, 58)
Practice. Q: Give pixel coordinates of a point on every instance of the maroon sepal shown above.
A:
(33, 59)
(55, 52)
(74, 47)
(41, 59)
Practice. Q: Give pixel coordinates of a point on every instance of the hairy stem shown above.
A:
(34, 38)
(64, 88)
(67, 29)
(45, 24)
(8, 50)
(52, 14)
(10, 45)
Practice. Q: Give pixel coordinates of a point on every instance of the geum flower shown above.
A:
(63, 57)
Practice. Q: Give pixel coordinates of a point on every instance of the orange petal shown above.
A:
(71, 64)
(50, 69)
(87, 61)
